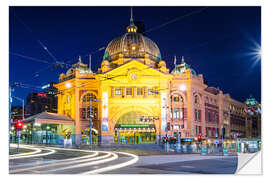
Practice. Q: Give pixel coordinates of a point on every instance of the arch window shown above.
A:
(87, 111)
(196, 100)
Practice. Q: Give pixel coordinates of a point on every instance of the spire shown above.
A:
(175, 64)
(183, 60)
(80, 59)
(131, 16)
(131, 28)
(175, 60)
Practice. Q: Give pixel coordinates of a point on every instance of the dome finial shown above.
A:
(131, 28)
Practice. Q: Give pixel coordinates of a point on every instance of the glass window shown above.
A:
(196, 99)
(150, 91)
(182, 113)
(139, 91)
(176, 98)
(209, 116)
(117, 91)
(128, 91)
(196, 115)
(176, 113)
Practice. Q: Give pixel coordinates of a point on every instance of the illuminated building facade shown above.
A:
(134, 98)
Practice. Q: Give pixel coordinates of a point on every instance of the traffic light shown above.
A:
(165, 139)
(199, 138)
(19, 125)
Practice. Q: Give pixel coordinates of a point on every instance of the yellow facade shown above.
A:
(132, 74)
(133, 98)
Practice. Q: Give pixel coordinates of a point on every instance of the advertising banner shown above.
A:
(105, 126)
(163, 111)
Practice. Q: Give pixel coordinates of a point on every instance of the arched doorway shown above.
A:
(89, 112)
(135, 128)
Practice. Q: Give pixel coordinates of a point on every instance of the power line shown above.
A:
(177, 19)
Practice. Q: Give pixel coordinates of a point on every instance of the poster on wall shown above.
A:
(163, 111)
(105, 126)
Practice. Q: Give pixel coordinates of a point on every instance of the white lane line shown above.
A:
(51, 151)
(57, 162)
(35, 150)
(114, 156)
(117, 166)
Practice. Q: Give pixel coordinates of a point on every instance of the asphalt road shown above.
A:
(51, 160)
(205, 165)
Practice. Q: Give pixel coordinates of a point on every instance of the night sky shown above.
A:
(217, 42)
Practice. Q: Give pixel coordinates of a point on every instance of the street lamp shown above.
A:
(68, 85)
(19, 133)
(90, 119)
(182, 87)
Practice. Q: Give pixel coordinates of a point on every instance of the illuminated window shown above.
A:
(117, 91)
(128, 91)
(176, 113)
(139, 91)
(176, 98)
(150, 91)
(88, 97)
(182, 113)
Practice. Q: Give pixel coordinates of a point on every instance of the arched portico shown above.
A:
(135, 125)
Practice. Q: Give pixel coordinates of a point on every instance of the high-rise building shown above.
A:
(44, 101)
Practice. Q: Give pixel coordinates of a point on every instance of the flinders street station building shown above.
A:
(134, 98)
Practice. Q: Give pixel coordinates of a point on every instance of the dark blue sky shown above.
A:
(215, 42)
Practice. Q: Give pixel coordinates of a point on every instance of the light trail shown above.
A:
(134, 160)
(114, 156)
(59, 162)
(34, 155)
(35, 150)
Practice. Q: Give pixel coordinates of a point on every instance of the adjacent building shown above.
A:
(43, 101)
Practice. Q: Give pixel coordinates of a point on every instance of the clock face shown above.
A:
(134, 76)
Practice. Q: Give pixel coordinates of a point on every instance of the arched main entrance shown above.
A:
(135, 128)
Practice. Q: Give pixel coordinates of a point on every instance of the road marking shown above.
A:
(36, 150)
(59, 162)
(117, 166)
(187, 166)
(115, 156)
(34, 155)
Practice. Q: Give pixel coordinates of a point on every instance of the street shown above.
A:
(53, 160)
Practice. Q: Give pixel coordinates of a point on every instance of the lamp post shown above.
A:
(90, 119)
(19, 133)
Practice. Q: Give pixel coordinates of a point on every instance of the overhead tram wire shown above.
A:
(37, 39)
(67, 63)
(177, 19)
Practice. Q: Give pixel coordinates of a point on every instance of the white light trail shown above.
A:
(114, 156)
(33, 155)
(59, 162)
(117, 166)
(35, 150)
